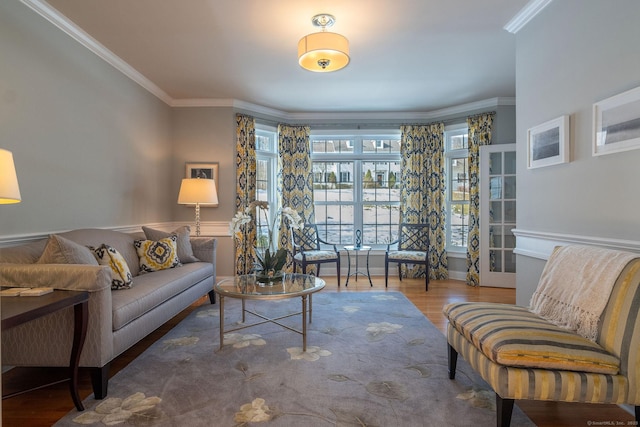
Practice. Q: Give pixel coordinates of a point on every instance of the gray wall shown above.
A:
(575, 53)
(207, 135)
(91, 147)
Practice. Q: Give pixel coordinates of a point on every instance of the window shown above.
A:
(355, 186)
(456, 139)
(266, 166)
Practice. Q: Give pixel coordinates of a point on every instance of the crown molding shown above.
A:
(52, 15)
(528, 12)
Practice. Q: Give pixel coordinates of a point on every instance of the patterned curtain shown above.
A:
(245, 189)
(295, 179)
(422, 190)
(479, 134)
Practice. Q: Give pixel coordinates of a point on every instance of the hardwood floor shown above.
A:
(47, 405)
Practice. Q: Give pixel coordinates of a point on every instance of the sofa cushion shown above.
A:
(155, 288)
(185, 251)
(120, 274)
(63, 251)
(122, 242)
(157, 255)
(513, 336)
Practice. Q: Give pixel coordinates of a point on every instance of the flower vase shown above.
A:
(268, 277)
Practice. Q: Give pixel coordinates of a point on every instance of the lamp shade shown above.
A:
(198, 191)
(9, 190)
(323, 52)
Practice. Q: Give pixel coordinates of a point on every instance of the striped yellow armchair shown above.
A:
(523, 355)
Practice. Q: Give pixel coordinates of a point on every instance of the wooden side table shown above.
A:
(19, 310)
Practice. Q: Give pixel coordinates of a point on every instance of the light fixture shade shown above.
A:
(9, 190)
(314, 50)
(198, 191)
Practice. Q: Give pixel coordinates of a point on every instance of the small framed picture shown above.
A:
(203, 170)
(616, 123)
(548, 143)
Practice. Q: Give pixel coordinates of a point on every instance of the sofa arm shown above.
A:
(71, 277)
(204, 249)
(47, 341)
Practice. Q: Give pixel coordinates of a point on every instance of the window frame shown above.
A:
(354, 139)
(270, 156)
(450, 154)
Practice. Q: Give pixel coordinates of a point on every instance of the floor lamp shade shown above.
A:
(9, 190)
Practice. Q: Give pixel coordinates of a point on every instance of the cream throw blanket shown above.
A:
(575, 285)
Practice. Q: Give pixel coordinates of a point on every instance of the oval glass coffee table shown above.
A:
(246, 287)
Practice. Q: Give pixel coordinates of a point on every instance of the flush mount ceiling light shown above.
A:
(323, 52)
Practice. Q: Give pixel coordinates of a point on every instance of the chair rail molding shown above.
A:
(540, 244)
(209, 229)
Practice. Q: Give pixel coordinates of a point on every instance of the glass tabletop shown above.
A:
(357, 248)
(247, 287)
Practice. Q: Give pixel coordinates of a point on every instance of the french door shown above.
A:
(497, 215)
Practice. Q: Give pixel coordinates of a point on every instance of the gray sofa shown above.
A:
(118, 319)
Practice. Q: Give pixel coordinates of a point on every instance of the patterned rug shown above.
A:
(372, 360)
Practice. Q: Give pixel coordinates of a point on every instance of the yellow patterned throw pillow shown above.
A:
(120, 274)
(157, 255)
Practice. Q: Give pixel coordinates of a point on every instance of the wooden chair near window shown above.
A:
(307, 250)
(412, 248)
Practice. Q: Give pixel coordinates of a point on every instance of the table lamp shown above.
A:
(9, 190)
(198, 191)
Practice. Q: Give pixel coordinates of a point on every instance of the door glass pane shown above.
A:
(509, 187)
(495, 165)
(496, 211)
(496, 260)
(510, 211)
(510, 163)
(495, 236)
(495, 187)
(509, 238)
(509, 262)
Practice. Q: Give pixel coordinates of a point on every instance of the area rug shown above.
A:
(372, 359)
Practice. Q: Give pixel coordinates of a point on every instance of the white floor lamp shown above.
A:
(198, 191)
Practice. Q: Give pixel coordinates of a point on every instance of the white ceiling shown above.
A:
(406, 55)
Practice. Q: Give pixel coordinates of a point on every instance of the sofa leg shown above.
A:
(504, 409)
(453, 361)
(100, 381)
(212, 297)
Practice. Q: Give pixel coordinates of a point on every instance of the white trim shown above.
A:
(537, 244)
(207, 229)
(526, 14)
(56, 18)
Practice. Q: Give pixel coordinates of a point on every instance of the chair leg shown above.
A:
(637, 413)
(452, 357)
(386, 273)
(400, 271)
(338, 270)
(504, 409)
(426, 278)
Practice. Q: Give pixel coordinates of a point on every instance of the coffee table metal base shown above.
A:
(274, 320)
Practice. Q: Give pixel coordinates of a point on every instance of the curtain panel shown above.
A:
(245, 190)
(295, 179)
(422, 191)
(479, 135)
